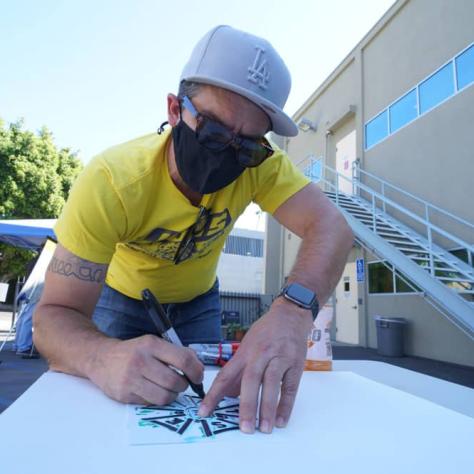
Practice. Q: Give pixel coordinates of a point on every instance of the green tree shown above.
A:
(35, 179)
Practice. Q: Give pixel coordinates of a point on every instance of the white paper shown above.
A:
(179, 422)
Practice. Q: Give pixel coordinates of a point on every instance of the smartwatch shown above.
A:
(301, 296)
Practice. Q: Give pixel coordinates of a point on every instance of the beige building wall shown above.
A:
(433, 157)
(428, 333)
(421, 37)
(331, 109)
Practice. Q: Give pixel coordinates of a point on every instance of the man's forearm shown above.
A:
(68, 339)
(322, 255)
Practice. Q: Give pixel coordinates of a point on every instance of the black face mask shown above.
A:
(203, 170)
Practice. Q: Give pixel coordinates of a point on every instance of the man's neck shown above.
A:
(193, 197)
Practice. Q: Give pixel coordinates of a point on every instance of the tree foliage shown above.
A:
(35, 179)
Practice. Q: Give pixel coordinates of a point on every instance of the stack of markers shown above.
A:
(215, 354)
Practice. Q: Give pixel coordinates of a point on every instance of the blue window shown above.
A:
(376, 130)
(403, 111)
(314, 170)
(436, 88)
(465, 68)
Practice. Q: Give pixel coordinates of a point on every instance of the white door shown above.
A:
(345, 156)
(347, 313)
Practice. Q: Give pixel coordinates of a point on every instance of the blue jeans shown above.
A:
(24, 324)
(122, 317)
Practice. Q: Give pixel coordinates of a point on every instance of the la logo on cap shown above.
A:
(258, 73)
(246, 65)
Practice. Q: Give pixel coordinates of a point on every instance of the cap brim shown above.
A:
(282, 124)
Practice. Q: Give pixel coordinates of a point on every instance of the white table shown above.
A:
(447, 394)
(342, 423)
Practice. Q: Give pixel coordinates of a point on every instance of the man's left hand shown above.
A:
(271, 356)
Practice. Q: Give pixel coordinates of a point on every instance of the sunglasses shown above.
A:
(188, 245)
(214, 136)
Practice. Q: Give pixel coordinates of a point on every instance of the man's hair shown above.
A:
(188, 88)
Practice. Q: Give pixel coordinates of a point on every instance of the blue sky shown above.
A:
(97, 72)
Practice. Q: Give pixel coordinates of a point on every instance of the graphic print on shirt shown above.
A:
(163, 243)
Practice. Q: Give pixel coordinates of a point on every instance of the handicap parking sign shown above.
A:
(360, 269)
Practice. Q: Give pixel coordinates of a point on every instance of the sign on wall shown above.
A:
(360, 269)
(3, 292)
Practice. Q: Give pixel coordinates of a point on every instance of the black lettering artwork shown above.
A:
(179, 422)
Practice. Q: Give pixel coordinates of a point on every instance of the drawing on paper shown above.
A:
(180, 423)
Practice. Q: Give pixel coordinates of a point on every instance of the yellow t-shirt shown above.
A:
(125, 210)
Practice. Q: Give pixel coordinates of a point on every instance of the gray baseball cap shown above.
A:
(247, 65)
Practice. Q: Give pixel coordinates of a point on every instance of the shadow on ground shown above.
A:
(17, 374)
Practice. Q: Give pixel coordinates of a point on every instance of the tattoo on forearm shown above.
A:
(79, 268)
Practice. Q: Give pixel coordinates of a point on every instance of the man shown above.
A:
(155, 212)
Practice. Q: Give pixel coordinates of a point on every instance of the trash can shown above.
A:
(390, 336)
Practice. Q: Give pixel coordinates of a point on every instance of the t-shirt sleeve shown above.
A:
(93, 219)
(276, 180)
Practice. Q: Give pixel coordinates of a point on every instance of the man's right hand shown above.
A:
(137, 370)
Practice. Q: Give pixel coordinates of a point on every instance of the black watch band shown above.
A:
(301, 296)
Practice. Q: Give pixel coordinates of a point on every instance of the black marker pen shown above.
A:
(166, 331)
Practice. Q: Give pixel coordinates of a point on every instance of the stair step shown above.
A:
(360, 214)
(458, 280)
(333, 194)
(447, 269)
(342, 199)
(382, 226)
(378, 228)
(354, 205)
(404, 249)
(355, 210)
(393, 234)
(423, 259)
(359, 210)
(461, 277)
(394, 241)
(458, 276)
(378, 222)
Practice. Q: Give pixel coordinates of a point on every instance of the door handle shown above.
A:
(354, 307)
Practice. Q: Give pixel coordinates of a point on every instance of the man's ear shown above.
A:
(173, 109)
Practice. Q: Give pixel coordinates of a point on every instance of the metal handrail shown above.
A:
(388, 201)
(385, 200)
(357, 172)
(357, 169)
(393, 268)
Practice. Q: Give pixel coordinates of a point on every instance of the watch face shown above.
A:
(300, 293)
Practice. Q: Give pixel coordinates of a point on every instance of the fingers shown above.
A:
(133, 398)
(153, 393)
(289, 388)
(149, 377)
(249, 390)
(270, 394)
(181, 358)
(138, 370)
(225, 384)
(164, 376)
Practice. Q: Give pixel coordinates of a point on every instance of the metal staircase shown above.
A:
(415, 248)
